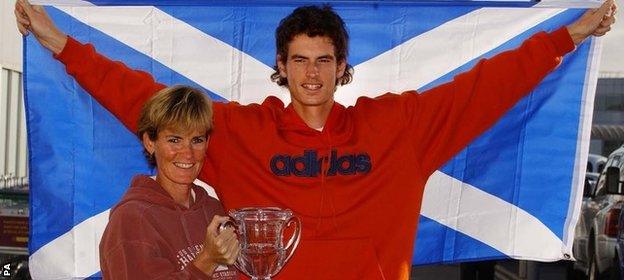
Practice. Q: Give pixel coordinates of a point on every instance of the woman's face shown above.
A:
(179, 156)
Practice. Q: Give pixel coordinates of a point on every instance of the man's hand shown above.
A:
(595, 22)
(219, 247)
(35, 20)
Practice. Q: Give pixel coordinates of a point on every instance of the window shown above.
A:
(13, 145)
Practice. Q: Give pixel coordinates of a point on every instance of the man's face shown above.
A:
(311, 69)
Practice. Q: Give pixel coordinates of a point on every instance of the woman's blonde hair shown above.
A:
(180, 107)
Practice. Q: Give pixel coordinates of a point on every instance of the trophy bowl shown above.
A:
(261, 235)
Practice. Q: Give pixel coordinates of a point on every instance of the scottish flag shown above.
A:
(513, 192)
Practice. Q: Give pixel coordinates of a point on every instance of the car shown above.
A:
(620, 243)
(595, 238)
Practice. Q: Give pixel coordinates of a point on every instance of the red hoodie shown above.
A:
(357, 185)
(149, 236)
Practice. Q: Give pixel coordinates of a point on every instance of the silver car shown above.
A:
(595, 237)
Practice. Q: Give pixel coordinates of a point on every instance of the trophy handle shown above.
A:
(240, 260)
(293, 242)
(226, 224)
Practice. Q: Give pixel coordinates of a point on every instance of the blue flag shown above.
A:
(514, 192)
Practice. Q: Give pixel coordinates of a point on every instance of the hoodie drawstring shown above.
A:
(324, 169)
(331, 195)
(320, 211)
(184, 227)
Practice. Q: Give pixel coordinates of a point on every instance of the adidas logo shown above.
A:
(309, 164)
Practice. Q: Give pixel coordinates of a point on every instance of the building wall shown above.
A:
(13, 152)
(13, 142)
(608, 110)
(10, 39)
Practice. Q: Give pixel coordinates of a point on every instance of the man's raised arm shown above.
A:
(121, 90)
(470, 104)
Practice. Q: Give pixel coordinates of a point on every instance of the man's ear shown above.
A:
(340, 68)
(281, 66)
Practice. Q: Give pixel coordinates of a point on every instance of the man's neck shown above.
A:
(314, 116)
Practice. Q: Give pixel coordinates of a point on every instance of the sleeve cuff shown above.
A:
(69, 51)
(562, 41)
(196, 273)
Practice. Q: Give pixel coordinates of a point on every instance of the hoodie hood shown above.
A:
(144, 188)
(337, 129)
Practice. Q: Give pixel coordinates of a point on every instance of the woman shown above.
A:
(165, 226)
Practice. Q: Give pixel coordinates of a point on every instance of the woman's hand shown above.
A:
(219, 247)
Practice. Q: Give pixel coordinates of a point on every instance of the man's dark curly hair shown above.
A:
(313, 21)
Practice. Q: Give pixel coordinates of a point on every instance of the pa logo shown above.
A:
(6, 270)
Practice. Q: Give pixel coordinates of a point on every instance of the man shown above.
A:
(358, 200)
